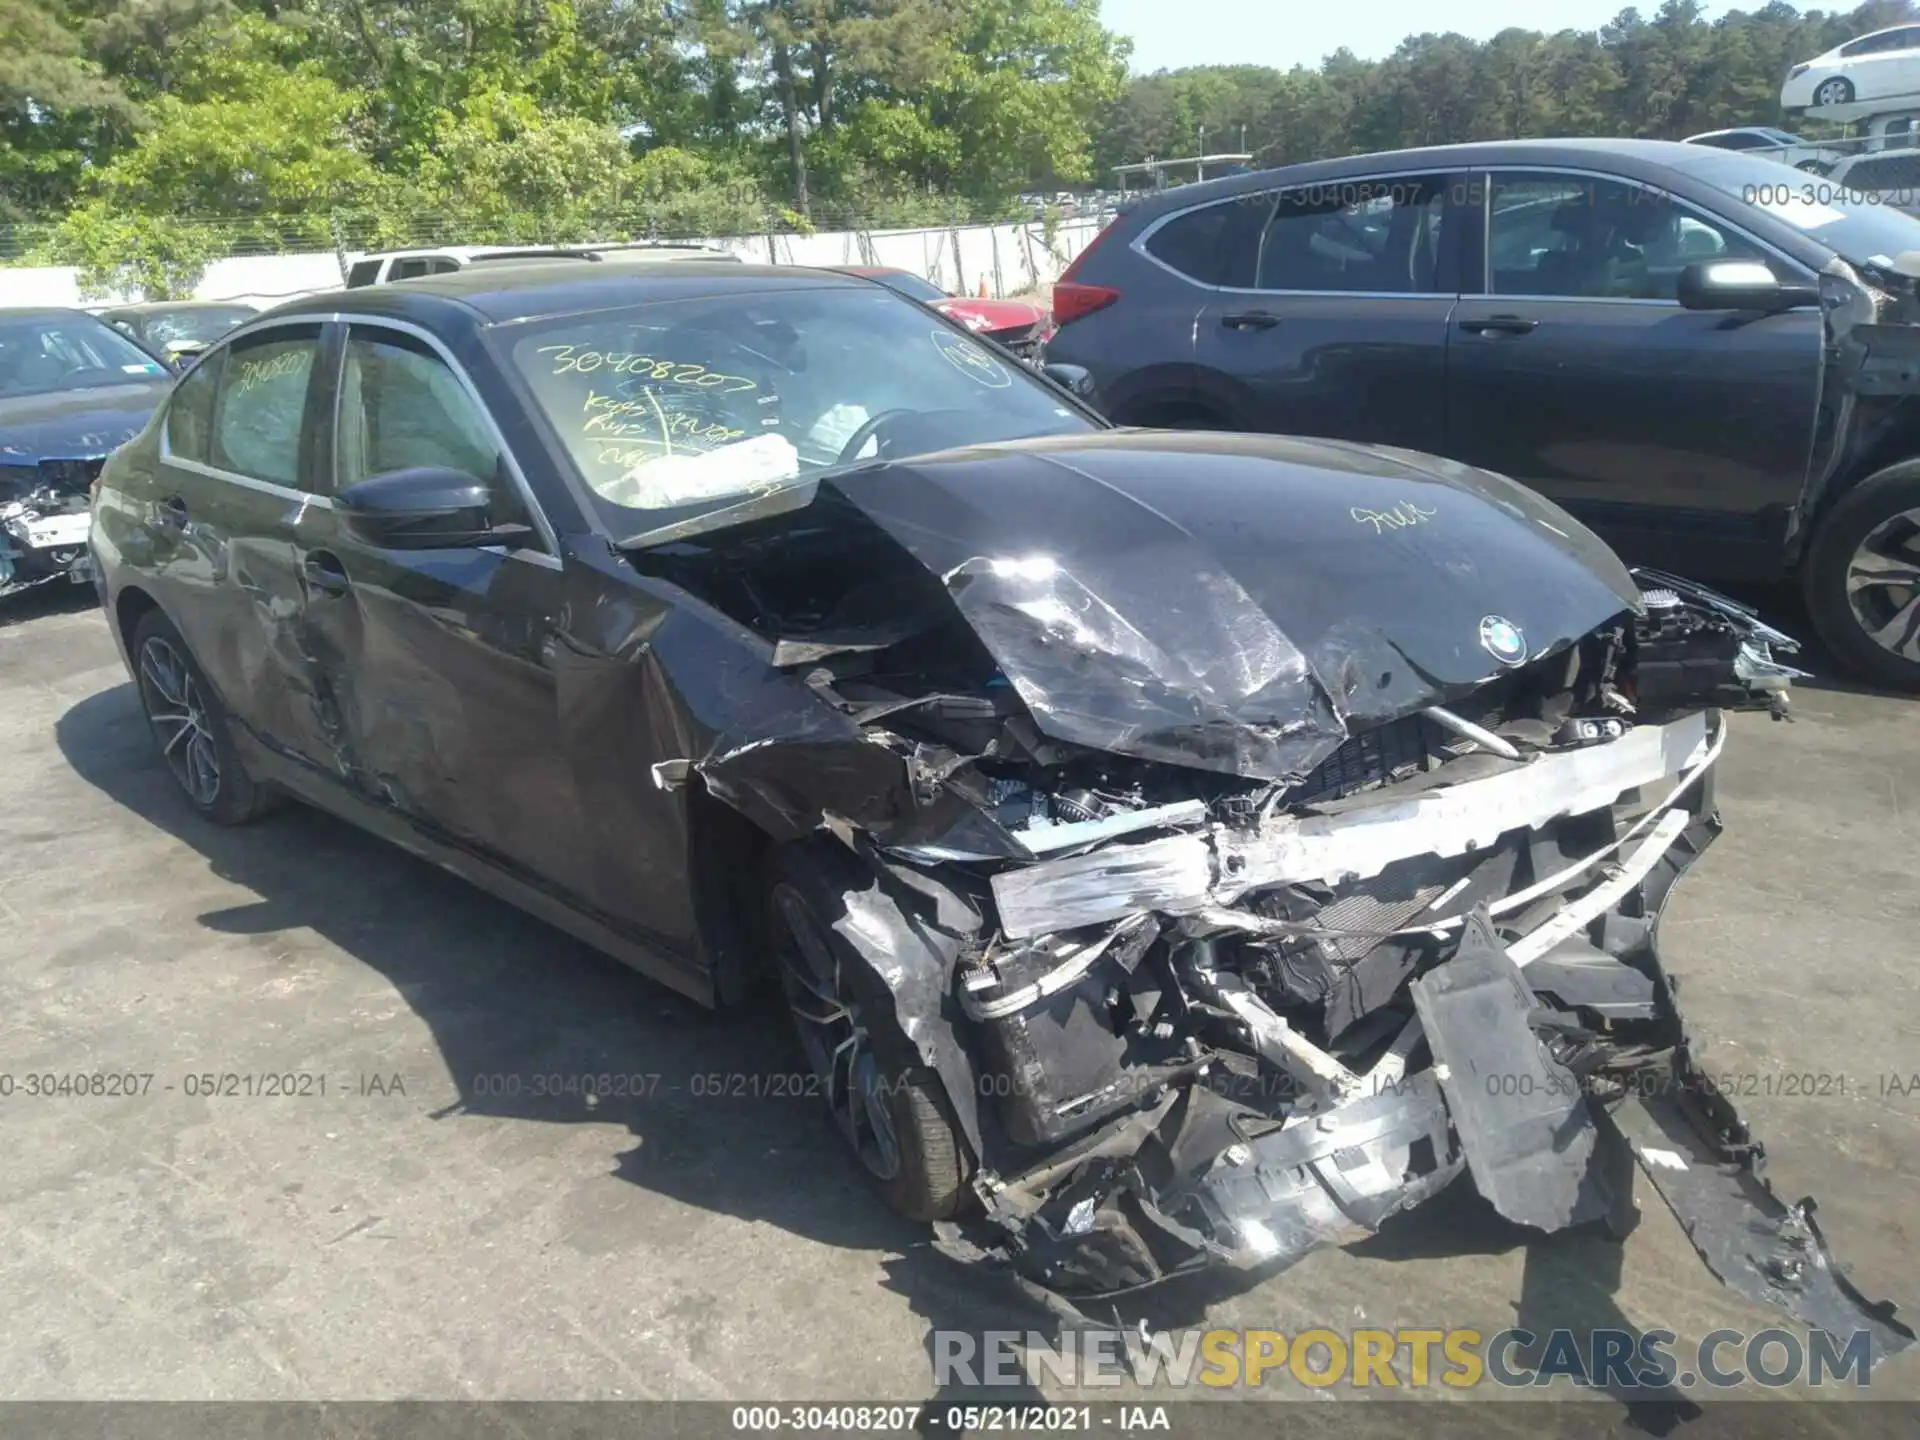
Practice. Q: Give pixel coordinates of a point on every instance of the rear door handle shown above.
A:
(1250, 320)
(1499, 325)
(323, 572)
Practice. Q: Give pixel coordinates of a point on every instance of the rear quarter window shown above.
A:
(190, 411)
(1215, 245)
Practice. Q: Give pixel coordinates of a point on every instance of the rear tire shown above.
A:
(1862, 578)
(888, 1107)
(191, 726)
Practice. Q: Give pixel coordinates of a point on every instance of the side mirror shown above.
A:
(427, 507)
(1076, 379)
(1740, 285)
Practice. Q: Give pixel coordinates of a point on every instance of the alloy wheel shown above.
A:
(1883, 584)
(178, 713)
(833, 1032)
(1833, 92)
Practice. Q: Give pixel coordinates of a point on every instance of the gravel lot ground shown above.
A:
(415, 1233)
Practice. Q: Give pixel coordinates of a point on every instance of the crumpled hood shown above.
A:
(1235, 602)
(75, 424)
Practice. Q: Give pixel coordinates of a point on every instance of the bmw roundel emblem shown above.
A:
(1501, 638)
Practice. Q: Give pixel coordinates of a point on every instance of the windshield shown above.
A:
(42, 354)
(677, 408)
(194, 327)
(911, 286)
(1860, 224)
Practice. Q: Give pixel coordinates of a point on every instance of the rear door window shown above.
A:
(261, 404)
(1375, 234)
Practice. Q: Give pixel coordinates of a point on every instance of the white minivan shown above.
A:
(380, 267)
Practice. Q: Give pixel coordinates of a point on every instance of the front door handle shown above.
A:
(1250, 320)
(323, 572)
(1499, 325)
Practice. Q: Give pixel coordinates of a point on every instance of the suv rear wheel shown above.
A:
(1862, 578)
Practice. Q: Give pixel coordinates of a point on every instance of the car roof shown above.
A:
(1649, 156)
(153, 307)
(509, 292)
(866, 272)
(43, 312)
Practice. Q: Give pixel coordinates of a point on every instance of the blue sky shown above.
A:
(1168, 34)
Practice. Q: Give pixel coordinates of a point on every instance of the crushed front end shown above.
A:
(1252, 837)
(44, 522)
(1213, 1021)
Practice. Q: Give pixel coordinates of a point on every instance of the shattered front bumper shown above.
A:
(1543, 1055)
(38, 549)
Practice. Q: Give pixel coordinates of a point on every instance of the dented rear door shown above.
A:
(439, 664)
(236, 488)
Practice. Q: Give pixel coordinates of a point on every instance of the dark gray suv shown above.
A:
(1712, 360)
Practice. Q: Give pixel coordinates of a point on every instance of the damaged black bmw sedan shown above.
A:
(1175, 849)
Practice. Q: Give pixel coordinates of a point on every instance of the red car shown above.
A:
(1013, 324)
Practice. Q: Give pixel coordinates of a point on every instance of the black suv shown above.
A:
(1712, 360)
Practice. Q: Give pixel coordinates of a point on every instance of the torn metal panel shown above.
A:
(914, 959)
(1521, 1117)
(1753, 1241)
(1332, 1177)
(1577, 976)
(1181, 874)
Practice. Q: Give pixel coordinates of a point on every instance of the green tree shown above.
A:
(59, 110)
(505, 171)
(244, 154)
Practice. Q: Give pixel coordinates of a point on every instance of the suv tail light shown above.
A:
(1071, 298)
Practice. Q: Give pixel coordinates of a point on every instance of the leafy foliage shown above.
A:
(141, 137)
(1663, 76)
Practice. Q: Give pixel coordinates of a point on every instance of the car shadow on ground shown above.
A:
(508, 999)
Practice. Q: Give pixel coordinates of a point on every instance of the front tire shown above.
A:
(888, 1107)
(1862, 578)
(191, 726)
